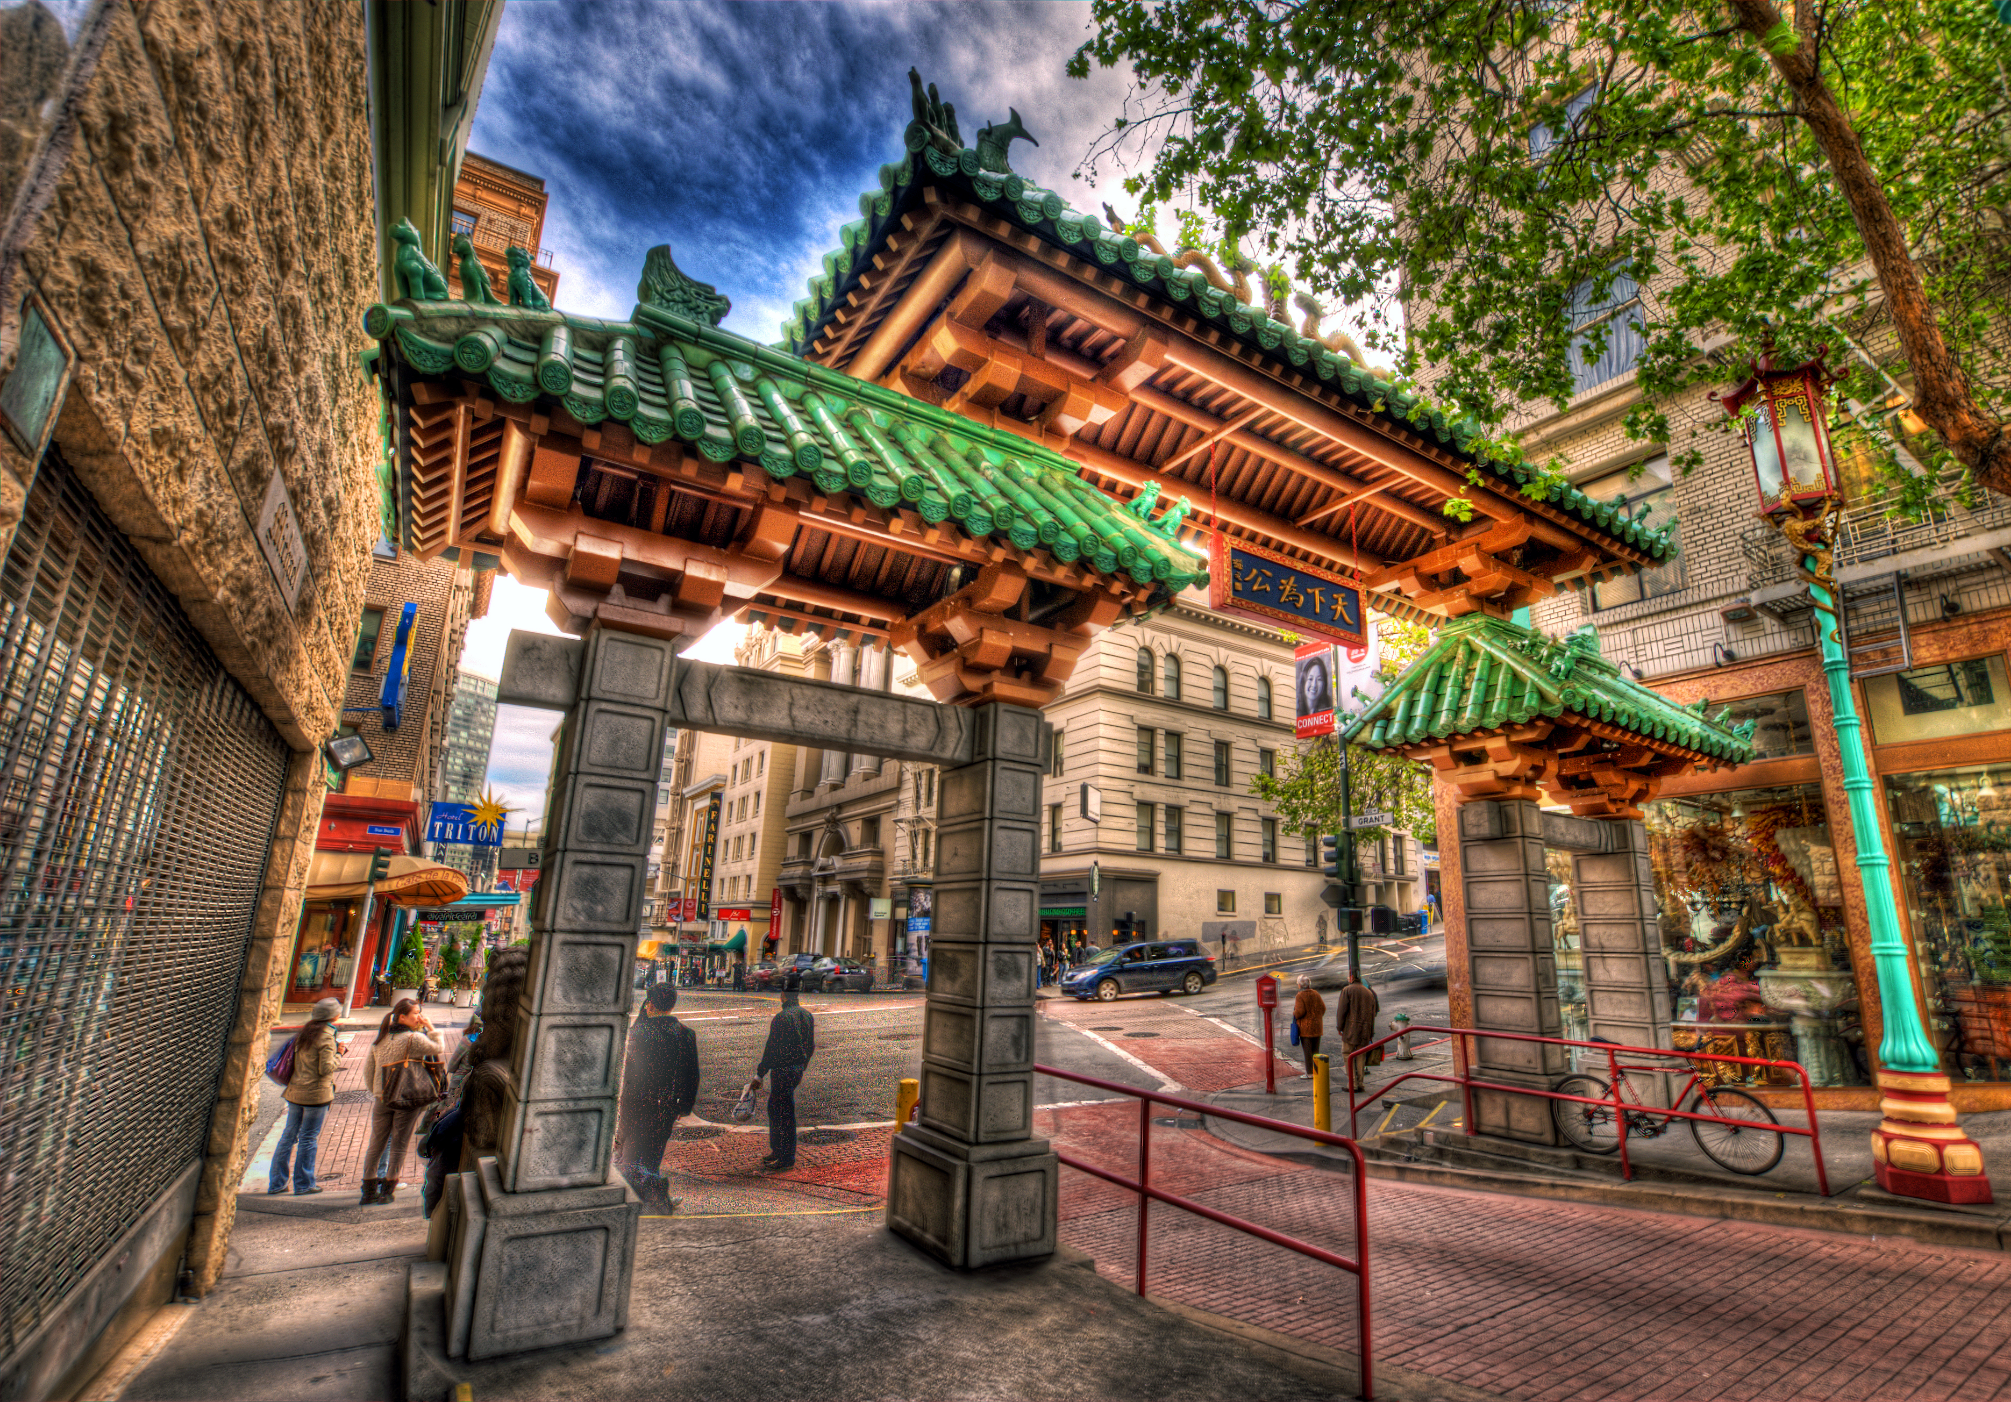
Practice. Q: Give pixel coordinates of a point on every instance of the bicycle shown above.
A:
(1748, 1147)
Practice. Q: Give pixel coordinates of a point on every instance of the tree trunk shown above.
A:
(1942, 392)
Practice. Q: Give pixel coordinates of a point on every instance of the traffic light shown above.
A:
(1330, 855)
(1382, 920)
(380, 864)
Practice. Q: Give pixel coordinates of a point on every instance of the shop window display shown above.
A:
(1565, 943)
(1953, 830)
(1753, 932)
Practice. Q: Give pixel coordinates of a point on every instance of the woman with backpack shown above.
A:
(310, 1087)
(398, 1077)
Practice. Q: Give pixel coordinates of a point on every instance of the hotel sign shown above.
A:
(705, 853)
(1262, 584)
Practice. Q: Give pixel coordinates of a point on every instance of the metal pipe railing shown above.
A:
(1147, 1194)
(1612, 1051)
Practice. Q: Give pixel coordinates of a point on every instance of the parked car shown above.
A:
(762, 975)
(838, 976)
(1156, 966)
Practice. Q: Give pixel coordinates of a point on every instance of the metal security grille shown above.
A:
(139, 785)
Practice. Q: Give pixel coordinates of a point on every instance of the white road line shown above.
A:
(1165, 1086)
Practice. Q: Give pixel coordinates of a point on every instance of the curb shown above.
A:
(1841, 1214)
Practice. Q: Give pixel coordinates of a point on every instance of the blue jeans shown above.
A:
(303, 1130)
(782, 1083)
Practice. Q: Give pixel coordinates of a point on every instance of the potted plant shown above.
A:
(407, 974)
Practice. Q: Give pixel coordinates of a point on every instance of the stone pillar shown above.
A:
(844, 660)
(1512, 964)
(970, 1184)
(541, 1243)
(872, 670)
(1620, 929)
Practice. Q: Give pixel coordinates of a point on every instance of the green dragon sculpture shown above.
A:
(524, 289)
(474, 277)
(422, 281)
(663, 285)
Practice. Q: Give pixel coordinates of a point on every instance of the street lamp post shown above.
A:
(1919, 1149)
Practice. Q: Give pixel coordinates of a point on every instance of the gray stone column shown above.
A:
(970, 1184)
(872, 676)
(1512, 964)
(541, 1243)
(1620, 928)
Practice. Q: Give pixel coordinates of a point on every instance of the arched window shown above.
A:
(1221, 688)
(1263, 698)
(1145, 671)
(1172, 671)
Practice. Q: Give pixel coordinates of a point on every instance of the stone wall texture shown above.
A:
(207, 250)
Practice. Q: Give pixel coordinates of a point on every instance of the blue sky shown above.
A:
(742, 135)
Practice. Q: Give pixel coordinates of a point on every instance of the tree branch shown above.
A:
(1944, 396)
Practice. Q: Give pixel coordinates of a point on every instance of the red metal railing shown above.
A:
(1147, 1194)
(1615, 1071)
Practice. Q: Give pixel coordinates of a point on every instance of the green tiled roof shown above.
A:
(666, 376)
(1484, 673)
(1046, 215)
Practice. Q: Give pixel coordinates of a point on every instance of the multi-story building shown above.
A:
(471, 724)
(189, 489)
(841, 894)
(1925, 624)
(499, 208)
(1158, 735)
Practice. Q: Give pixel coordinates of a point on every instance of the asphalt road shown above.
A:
(1408, 976)
(866, 1044)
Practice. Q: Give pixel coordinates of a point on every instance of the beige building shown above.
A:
(847, 816)
(1158, 735)
(500, 207)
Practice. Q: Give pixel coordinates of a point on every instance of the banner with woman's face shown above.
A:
(1313, 673)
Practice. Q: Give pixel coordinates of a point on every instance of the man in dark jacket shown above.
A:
(792, 1039)
(659, 1082)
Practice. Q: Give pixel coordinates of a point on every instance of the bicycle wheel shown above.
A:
(1751, 1146)
(1587, 1128)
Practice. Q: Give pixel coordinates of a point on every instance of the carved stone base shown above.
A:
(530, 1270)
(1918, 1150)
(1527, 1119)
(972, 1205)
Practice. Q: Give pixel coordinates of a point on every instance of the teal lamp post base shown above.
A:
(1919, 1148)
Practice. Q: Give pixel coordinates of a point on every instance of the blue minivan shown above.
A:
(1154, 966)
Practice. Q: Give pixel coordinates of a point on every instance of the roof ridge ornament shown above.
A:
(422, 281)
(523, 288)
(995, 140)
(935, 121)
(474, 277)
(664, 285)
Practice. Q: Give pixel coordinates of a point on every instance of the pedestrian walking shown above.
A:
(792, 1040)
(406, 1035)
(1355, 1020)
(659, 1082)
(1309, 1011)
(485, 1096)
(317, 1056)
(739, 975)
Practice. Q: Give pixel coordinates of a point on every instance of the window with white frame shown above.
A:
(1630, 491)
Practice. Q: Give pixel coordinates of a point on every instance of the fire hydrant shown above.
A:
(1400, 1024)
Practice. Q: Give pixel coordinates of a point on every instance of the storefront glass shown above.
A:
(1565, 942)
(324, 958)
(1753, 931)
(1953, 829)
(1940, 702)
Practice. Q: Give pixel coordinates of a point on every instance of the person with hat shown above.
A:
(659, 1082)
(317, 1056)
(792, 1040)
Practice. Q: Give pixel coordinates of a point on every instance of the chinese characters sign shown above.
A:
(1248, 580)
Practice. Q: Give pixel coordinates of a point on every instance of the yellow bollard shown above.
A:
(1323, 1109)
(904, 1102)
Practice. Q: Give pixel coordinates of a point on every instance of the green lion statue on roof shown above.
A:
(1142, 504)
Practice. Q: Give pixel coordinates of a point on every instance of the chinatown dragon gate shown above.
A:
(995, 426)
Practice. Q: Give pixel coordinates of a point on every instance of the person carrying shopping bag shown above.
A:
(317, 1056)
(398, 1076)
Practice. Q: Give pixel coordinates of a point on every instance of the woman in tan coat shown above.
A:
(1309, 1011)
(406, 1035)
(317, 1056)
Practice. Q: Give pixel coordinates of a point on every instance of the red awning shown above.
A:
(411, 881)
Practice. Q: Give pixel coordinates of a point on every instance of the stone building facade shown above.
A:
(189, 493)
(1166, 724)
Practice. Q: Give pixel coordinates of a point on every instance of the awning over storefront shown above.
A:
(411, 881)
(732, 946)
(1063, 912)
(488, 900)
